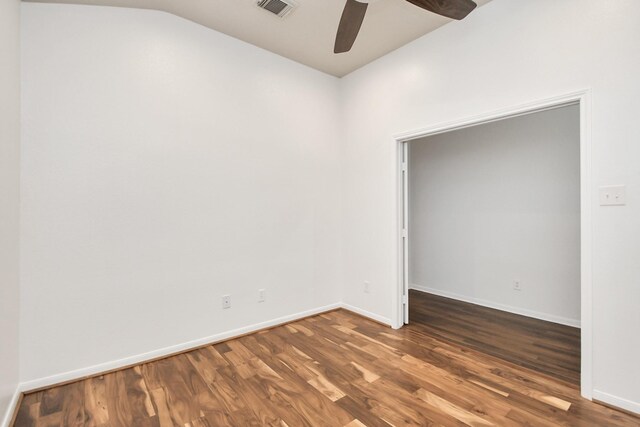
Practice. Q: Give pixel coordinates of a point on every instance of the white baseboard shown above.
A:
(39, 383)
(502, 307)
(12, 408)
(618, 402)
(366, 313)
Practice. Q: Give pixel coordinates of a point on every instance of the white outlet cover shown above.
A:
(613, 195)
(226, 301)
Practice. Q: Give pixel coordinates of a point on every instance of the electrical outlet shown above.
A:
(262, 295)
(517, 285)
(226, 301)
(613, 195)
(367, 287)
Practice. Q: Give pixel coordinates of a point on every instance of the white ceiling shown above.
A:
(307, 34)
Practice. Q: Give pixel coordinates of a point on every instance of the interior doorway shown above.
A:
(449, 304)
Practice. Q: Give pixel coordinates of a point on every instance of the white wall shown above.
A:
(163, 166)
(9, 199)
(508, 53)
(496, 203)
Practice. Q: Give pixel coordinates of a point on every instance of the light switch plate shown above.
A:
(613, 195)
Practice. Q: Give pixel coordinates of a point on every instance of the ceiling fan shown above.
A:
(354, 11)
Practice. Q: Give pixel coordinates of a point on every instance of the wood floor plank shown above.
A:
(95, 402)
(138, 394)
(52, 400)
(253, 401)
(161, 407)
(118, 403)
(339, 369)
(73, 405)
(180, 387)
(449, 408)
(402, 408)
(362, 409)
(327, 388)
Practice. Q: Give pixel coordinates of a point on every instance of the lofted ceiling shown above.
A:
(308, 33)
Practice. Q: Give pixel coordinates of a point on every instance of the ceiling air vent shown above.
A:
(277, 7)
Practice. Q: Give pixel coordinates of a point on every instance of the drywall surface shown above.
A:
(164, 166)
(9, 199)
(508, 53)
(497, 204)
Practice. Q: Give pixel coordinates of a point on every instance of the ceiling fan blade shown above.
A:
(350, 23)
(455, 9)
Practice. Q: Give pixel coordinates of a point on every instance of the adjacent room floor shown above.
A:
(548, 348)
(335, 369)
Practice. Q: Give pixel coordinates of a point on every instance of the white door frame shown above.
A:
(581, 98)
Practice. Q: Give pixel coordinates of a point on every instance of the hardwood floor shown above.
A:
(546, 347)
(335, 369)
